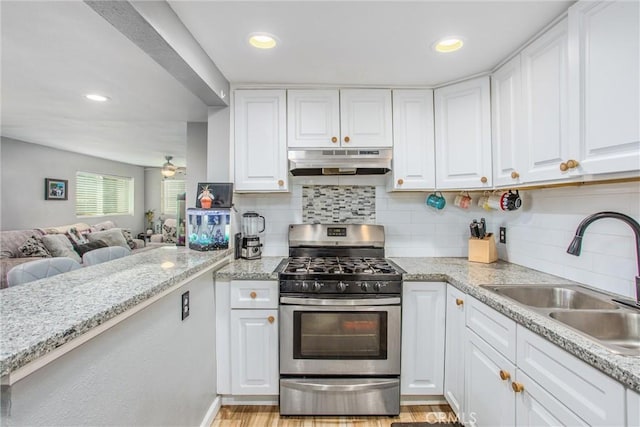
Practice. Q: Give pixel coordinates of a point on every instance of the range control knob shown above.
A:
(364, 286)
(316, 286)
(341, 286)
(305, 286)
(377, 286)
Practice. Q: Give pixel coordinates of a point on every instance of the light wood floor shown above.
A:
(267, 416)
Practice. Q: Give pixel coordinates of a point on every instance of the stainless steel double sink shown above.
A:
(591, 313)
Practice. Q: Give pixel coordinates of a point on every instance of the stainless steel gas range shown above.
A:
(339, 322)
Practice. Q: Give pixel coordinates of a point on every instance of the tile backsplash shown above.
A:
(537, 235)
(349, 204)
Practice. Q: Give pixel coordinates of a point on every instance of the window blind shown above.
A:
(99, 195)
(170, 190)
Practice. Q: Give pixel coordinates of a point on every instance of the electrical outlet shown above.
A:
(503, 234)
(184, 307)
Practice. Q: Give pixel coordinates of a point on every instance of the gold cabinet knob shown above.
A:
(347, 139)
(515, 175)
(571, 164)
(459, 301)
(253, 295)
(334, 139)
(517, 387)
(280, 183)
(400, 181)
(483, 180)
(271, 319)
(504, 375)
(563, 167)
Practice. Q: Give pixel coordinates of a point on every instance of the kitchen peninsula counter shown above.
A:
(41, 316)
(468, 277)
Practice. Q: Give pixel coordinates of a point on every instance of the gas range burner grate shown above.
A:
(339, 265)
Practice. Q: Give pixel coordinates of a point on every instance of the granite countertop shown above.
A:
(468, 276)
(39, 316)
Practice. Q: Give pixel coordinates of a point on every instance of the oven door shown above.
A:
(339, 336)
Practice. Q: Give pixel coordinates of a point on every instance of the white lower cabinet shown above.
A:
(633, 408)
(454, 350)
(247, 337)
(254, 352)
(423, 329)
(489, 399)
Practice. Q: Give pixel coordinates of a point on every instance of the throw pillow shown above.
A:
(112, 237)
(88, 247)
(33, 247)
(169, 234)
(58, 245)
(128, 237)
(76, 237)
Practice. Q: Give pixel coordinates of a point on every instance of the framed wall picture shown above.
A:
(55, 189)
(214, 195)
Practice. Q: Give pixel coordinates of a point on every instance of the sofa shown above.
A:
(20, 246)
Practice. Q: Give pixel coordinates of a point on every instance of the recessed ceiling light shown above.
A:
(96, 97)
(448, 44)
(262, 40)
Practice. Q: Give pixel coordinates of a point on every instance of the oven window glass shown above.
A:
(340, 335)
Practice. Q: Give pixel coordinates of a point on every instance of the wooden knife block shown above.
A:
(483, 250)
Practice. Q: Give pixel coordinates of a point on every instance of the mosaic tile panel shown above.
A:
(349, 204)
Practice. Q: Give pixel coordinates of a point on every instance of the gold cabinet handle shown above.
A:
(253, 295)
(347, 139)
(271, 319)
(504, 375)
(571, 164)
(483, 180)
(334, 139)
(459, 301)
(563, 167)
(515, 175)
(517, 387)
(400, 181)
(280, 183)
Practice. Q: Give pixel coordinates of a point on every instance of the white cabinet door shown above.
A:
(605, 88)
(489, 399)
(313, 118)
(413, 140)
(546, 106)
(365, 118)
(633, 408)
(506, 101)
(260, 140)
(454, 350)
(536, 407)
(423, 324)
(254, 352)
(463, 135)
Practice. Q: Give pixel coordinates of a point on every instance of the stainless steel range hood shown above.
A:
(352, 161)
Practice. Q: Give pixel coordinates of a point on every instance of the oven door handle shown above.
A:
(356, 386)
(340, 302)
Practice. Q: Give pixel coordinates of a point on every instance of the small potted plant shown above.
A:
(206, 198)
(149, 216)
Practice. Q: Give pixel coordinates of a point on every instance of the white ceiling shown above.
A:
(55, 52)
(386, 43)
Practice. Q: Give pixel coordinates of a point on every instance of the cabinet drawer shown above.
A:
(254, 294)
(495, 328)
(583, 389)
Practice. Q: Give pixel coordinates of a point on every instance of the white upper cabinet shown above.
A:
(260, 140)
(365, 118)
(506, 103)
(605, 89)
(345, 118)
(463, 135)
(313, 118)
(413, 141)
(545, 108)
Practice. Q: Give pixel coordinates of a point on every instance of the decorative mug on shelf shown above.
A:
(436, 200)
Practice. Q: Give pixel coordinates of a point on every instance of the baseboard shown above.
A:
(422, 400)
(250, 400)
(212, 412)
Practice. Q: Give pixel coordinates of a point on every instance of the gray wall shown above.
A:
(219, 153)
(196, 159)
(150, 370)
(24, 167)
